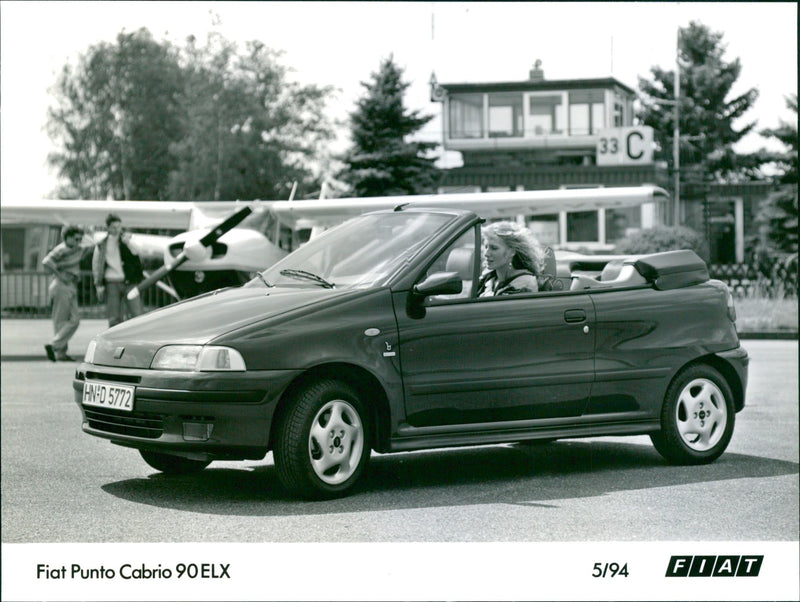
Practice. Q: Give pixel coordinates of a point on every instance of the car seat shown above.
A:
(462, 261)
(547, 279)
(612, 270)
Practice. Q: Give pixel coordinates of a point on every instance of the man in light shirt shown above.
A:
(63, 263)
(116, 268)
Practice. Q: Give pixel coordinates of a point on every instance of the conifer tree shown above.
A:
(786, 133)
(383, 160)
(706, 113)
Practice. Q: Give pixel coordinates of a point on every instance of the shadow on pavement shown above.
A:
(511, 474)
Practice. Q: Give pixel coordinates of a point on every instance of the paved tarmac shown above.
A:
(24, 339)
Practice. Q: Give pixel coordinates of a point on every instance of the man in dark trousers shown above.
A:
(63, 263)
(116, 269)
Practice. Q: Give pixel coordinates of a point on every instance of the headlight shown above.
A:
(198, 358)
(220, 358)
(89, 357)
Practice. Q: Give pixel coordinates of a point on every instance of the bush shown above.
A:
(663, 238)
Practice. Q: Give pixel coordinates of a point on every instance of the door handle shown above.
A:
(574, 315)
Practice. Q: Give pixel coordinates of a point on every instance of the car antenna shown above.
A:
(401, 206)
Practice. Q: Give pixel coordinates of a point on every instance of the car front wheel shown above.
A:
(322, 441)
(169, 464)
(697, 417)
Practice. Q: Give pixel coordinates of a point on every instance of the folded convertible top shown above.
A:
(672, 269)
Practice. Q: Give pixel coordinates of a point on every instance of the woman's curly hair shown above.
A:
(527, 250)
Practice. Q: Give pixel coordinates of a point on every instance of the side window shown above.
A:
(459, 257)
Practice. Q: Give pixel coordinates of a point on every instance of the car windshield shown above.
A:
(360, 253)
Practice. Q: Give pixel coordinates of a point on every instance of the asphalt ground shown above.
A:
(60, 485)
(515, 507)
(24, 339)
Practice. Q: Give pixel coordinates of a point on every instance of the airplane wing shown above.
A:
(324, 212)
(134, 214)
(254, 252)
(485, 204)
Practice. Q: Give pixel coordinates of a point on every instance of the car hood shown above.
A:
(198, 321)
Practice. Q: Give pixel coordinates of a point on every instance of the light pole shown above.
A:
(676, 156)
(676, 147)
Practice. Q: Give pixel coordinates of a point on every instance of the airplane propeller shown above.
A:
(192, 250)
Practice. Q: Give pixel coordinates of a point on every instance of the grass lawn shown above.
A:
(762, 314)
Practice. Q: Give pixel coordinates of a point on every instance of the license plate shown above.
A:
(106, 395)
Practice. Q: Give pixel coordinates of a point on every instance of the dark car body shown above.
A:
(428, 362)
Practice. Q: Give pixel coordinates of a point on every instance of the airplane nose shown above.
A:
(196, 251)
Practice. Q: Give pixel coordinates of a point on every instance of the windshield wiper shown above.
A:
(264, 280)
(303, 275)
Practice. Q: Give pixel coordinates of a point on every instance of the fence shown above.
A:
(25, 295)
(771, 278)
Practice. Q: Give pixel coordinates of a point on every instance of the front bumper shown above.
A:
(203, 415)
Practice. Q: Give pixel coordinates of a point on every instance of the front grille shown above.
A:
(134, 424)
(117, 378)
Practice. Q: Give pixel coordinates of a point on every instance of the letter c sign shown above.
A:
(631, 145)
(634, 138)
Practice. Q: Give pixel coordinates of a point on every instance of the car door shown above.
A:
(498, 359)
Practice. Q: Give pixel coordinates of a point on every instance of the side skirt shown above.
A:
(411, 438)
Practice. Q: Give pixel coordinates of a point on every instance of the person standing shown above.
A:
(116, 269)
(63, 263)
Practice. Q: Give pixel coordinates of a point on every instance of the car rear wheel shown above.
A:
(322, 441)
(697, 417)
(170, 464)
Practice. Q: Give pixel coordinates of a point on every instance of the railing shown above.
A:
(25, 295)
(772, 278)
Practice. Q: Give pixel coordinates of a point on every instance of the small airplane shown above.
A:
(224, 243)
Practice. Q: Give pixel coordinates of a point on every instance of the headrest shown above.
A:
(461, 261)
(612, 269)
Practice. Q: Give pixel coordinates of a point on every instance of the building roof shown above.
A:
(542, 85)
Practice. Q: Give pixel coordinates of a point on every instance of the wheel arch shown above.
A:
(728, 373)
(365, 383)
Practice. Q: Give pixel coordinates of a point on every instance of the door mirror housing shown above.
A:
(440, 283)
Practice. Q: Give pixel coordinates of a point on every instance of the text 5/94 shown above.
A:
(609, 569)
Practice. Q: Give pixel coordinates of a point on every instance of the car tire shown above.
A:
(697, 417)
(322, 441)
(171, 464)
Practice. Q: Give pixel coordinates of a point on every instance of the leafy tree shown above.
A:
(383, 160)
(115, 117)
(250, 133)
(140, 119)
(663, 238)
(706, 117)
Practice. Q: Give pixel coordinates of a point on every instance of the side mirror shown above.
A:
(440, 283)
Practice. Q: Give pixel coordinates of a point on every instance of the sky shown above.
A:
(342, 43)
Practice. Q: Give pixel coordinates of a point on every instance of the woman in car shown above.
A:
(512, 258)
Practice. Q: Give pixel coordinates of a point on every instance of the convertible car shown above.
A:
(371, 337)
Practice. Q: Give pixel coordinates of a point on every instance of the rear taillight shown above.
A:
(731, 307)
